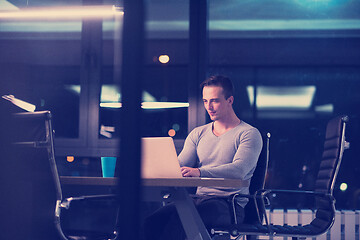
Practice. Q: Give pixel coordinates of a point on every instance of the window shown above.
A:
(293, 66)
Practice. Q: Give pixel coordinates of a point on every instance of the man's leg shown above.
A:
(217, 212)
(214, 212)
(164, 224)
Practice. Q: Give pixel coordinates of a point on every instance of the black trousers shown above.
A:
(165, 224)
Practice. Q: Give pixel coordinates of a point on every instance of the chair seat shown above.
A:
(279, 229)
(295, 230)
(88, 235)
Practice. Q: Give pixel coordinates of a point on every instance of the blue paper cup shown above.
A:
(108, 166)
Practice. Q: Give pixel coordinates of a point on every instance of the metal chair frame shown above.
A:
(47, 141)
(334, 147)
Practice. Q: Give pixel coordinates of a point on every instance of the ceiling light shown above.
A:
(160, 105)
(343, 187)
(164, 59)
(270, 97)
(72, 12)
(326, 108)
(148, 105)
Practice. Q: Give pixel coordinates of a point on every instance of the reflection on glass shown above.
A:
(164, 98)
(34, 68)
(280, 97)
(161, 118)
(294, 65)
(111, 98)
(79, 166)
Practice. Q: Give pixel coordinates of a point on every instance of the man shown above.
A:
(225, 148)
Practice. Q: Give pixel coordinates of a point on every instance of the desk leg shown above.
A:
(189, 216)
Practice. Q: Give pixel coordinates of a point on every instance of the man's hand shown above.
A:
(190, 172)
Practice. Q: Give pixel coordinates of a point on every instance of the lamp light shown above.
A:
(20, 103)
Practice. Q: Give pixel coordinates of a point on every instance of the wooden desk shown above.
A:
(169, 189)
(161, 182)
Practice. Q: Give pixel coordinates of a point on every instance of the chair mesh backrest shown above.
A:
(257, 182)
(34, 157)
(331, 157)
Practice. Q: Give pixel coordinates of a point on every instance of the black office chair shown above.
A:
(324, 201)
(36, 168)
(252, 215)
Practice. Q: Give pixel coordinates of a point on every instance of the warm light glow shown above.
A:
(164, 59)
(159, 105)
(102, 11)
(171, 132)
(70, 158)
(20, 103)
(148, 105)
(111, 105)
(343, 187)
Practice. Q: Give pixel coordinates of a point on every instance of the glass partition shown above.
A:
(165, 90)
(294, 66)
(40, 63)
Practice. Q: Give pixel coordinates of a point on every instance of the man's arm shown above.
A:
(188, 155)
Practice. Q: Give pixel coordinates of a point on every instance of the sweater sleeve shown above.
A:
(244, 160)
(188, 155)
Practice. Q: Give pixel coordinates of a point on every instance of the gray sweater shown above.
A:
(234, 154)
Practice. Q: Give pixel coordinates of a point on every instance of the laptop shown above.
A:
(159, 158)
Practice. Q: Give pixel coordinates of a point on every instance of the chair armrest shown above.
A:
(267, 191)
(250, 197)
(255, 198)
(66, 203)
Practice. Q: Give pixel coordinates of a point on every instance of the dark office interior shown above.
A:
(295, 65)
